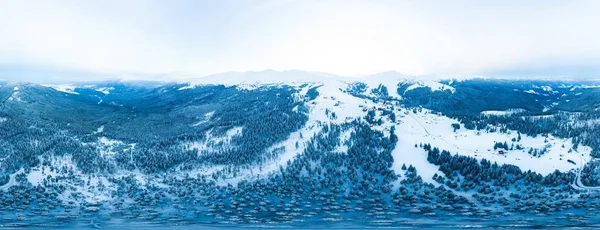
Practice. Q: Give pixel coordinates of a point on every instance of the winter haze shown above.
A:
(89, 40)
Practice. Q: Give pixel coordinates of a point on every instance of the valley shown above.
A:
(378, 151)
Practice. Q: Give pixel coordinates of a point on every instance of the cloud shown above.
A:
(343, 37)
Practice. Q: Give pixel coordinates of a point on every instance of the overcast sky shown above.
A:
(85, 39)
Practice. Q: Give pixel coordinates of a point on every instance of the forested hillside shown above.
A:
(371, 152)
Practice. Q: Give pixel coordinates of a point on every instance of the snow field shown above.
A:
(426, 127)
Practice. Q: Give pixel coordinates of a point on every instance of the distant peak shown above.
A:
(264, 77)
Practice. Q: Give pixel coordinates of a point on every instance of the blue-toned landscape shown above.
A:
(299, 114)
(329, 153)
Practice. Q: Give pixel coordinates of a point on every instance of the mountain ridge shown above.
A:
(318, 151)
(278, 76)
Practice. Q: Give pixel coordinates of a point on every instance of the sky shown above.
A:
(93, 40)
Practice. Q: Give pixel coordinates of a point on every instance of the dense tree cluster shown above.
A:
(491, 181)
(590, 175)
(312, 93)
(381, 92)
(4, 179)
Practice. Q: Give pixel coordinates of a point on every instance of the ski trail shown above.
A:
(437, 136)
(11, 181)
(577, 184)
(466, 195)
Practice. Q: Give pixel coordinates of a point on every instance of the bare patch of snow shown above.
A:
(502, 112)
(189, 86)
(545, 88)
(107, 141)
(99, 130)
(212, 142)
(584, 87)
(206, 118)
(63, 88)
(531, 92)
(107, 146)
(15, 95)
(432, 85)
(105, 90)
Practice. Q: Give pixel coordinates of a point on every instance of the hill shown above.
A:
(284, 148)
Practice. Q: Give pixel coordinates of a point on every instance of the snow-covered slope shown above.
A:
(502, 112)
(335, 105)
(426, 127)
(63, 88)
(332, 106)
(389, 79)
(423, 127)
(432, 85)
(412, 128)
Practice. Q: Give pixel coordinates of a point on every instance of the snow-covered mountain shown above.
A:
(263, 77)
(272, 148)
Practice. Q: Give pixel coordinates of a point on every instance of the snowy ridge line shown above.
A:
(432, 85)
(63, 88)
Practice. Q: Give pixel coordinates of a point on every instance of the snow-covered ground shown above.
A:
(432, 85)
(334, 106)
(392, 79)
(389, 79)
(107, 146)
(88, 188)
(15, 95)
(213, 141)
(107, 141)
(331, 100)
(531, 92)
(537, 117)
(105, 90)
(252, 80)
(205, 119)
(420, 128)
(100, 129)
(37, 175)
(63, 88)
(189, 86)
(502, 112)
(426, 127)
(546, 89)
(11, 180)
(584, 87)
